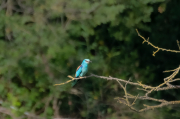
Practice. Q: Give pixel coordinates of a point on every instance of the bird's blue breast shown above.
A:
(84, 70)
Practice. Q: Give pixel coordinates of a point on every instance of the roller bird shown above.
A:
(81, 70)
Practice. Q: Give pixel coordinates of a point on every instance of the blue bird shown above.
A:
(81, 70)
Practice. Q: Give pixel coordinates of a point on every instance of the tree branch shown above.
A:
(148, 89)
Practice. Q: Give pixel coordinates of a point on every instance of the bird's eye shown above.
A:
(86, 60)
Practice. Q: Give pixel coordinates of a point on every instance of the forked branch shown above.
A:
(148, 90)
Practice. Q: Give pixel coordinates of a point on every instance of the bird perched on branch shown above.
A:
(81, 70)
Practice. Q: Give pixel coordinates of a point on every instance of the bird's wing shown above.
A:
(78, 71)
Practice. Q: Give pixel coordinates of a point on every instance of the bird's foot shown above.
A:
(82, 77)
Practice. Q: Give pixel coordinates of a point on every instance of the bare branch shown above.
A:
(146, 88)
(156, 47)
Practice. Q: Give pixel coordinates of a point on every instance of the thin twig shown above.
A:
(156, 47)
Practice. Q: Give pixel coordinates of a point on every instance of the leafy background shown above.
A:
(41, 42)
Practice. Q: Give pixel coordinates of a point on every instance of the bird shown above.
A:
(81, 70)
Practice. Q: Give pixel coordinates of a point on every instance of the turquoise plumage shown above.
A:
(81, 70)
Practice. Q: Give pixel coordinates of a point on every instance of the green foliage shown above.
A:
(41, 42)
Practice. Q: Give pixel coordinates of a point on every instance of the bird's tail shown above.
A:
(74, 83)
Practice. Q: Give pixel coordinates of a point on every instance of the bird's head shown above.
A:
(86, 61)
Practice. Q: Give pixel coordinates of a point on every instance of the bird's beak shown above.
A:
(90, 61)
